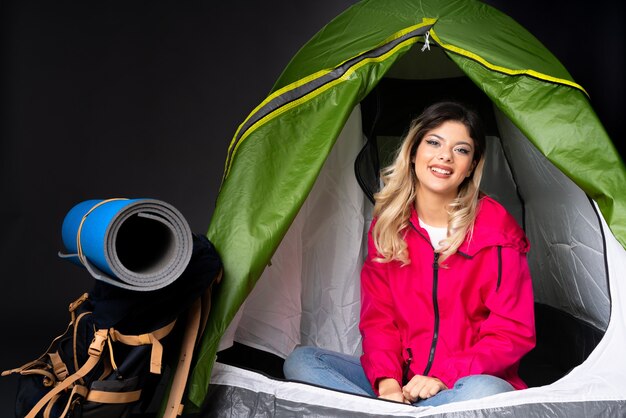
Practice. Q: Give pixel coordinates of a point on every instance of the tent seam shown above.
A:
(498, 68)
(317, 92)
(239, 137)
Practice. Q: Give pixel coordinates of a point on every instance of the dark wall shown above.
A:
(138, 99)
(141, 100)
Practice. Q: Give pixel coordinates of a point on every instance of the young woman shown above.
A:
(446, 295)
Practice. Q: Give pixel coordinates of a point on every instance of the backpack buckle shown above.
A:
(97, 344)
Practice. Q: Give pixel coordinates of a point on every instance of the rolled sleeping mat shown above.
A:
(136, 244)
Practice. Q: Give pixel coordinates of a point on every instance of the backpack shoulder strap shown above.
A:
(174, 403)
(198, 315)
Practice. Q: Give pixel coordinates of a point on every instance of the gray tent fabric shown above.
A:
(237, 392)
(564, 227)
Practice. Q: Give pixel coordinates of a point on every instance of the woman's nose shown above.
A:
(444, 155)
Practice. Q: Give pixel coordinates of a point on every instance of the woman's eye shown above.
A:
(463, 151)
(432, 142)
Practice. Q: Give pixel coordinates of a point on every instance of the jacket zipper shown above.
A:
(407, 367)
(433, 345)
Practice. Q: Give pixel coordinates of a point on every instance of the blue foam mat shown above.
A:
(137, 244)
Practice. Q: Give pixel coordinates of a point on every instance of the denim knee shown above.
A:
(298, 361)
(485, 384)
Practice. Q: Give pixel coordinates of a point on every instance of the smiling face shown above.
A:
(444, 158)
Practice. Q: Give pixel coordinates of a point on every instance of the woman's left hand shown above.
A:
(422, 387)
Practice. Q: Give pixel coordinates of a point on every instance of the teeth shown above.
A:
(439, 170)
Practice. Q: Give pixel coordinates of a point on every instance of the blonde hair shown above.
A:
(395, 201)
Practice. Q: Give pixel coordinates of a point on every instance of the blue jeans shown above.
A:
(344, 372)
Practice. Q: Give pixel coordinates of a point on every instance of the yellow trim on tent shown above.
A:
(316, 92)
(319, 91)
(504, 70)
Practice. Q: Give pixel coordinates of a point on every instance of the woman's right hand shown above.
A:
(390, 389)
(422, 387)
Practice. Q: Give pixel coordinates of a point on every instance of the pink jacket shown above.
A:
(473, 315)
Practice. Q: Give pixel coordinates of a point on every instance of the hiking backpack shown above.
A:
(119, 350)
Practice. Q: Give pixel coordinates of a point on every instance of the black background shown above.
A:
(141, 99)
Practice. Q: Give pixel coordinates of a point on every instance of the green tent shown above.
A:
(281, 148)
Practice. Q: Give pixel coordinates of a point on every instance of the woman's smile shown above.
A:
(441, 171)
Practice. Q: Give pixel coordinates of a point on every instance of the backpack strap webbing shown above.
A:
(48, 411)
(76, 320)
(77, 390)
(151, 338)
(174, 406)
(102, 396)
(95, 351)
(58, 366)
(41, 367)
(198, 316)
(35, 367)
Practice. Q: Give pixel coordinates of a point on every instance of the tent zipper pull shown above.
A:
(426, 41)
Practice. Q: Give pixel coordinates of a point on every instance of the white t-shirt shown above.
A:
(436, 234)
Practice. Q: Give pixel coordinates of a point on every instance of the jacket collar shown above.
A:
(493, 226)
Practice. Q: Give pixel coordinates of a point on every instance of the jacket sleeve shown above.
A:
(506, 335)
(382, 347)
